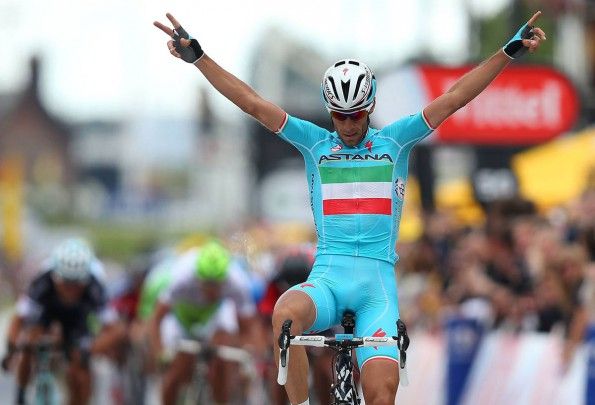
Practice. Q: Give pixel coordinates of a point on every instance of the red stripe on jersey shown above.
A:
(381, 206)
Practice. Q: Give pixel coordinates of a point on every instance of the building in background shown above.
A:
(35, 138)
(287, 71)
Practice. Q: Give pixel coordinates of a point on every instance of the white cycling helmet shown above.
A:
(348, 86)
(72, 260)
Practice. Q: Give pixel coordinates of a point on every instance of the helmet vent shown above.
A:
(332, 81)
(345, 88)
(353, 62)
(340, 63)
(359, 82)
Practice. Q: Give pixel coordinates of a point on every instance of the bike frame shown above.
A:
(343, 390)
(46, 392)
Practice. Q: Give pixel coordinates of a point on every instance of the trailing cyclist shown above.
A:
(69, 293)
(206, 299)
(292, 266)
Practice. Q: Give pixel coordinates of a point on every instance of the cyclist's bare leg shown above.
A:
(178, 374)
(298, 307)
(78, 378)
(33, 335)
(322, 373)
(380, 380)
(220, 371)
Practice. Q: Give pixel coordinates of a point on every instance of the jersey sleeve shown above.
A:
(28, 309)
(412, 128)
(301, 133)
(182, 274)
(30, 305)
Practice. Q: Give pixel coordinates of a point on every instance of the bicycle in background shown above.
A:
(46, 385)
(344, 389)
(199, 390)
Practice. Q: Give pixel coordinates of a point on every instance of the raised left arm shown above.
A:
(474, 82)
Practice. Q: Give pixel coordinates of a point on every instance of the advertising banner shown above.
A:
(590, 389)
(505, 368)
(524, 105)
(463, 340)
(524, 369)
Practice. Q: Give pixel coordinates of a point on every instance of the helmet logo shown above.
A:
(345, 71)
(328, 92)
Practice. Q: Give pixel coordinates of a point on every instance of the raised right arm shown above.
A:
(183, 46)
(242, 95)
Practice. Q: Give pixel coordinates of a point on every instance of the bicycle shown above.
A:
(45, 380)
(343, 389)
(133, 375)
(199, 390)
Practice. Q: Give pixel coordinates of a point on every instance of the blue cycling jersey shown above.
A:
(356, 193)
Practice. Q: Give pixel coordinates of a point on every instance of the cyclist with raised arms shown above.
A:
(69, 292)
(205, 298)
(357, 177)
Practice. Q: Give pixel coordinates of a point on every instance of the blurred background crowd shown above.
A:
(103, 135)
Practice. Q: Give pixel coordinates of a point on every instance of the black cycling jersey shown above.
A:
(74, 318)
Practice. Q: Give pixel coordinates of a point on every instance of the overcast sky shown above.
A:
(104, 59)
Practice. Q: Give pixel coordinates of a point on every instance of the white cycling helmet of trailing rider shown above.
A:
(72, 260)
(348, 86)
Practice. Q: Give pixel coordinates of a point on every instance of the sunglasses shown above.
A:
(354, 116)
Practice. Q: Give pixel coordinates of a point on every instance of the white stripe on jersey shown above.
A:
(356, 190)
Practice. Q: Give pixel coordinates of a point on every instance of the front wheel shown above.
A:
(45, 391)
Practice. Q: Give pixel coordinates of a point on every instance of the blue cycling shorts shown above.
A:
(368, 287)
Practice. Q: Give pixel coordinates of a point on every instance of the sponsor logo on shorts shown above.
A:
(379, 333)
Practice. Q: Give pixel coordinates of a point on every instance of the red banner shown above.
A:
(524, 105)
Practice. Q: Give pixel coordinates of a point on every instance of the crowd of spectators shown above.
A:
(520, 270)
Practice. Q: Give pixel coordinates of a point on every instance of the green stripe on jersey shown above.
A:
(356, 174)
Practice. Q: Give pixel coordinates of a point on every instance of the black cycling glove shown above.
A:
(515, 48)
(190, 53)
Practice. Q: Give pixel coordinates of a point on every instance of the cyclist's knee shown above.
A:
(380, 379)
(383, 392)
(294, 306)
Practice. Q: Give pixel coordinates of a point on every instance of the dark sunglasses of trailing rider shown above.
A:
(354, 116)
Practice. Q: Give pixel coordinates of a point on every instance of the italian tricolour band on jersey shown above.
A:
(369, 194)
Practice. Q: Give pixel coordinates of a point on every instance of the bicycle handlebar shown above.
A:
(45, 344)
(229, 353)
(342, 341)
(322, 341)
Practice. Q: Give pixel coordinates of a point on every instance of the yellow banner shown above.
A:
(557, 172)
(11, 208)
